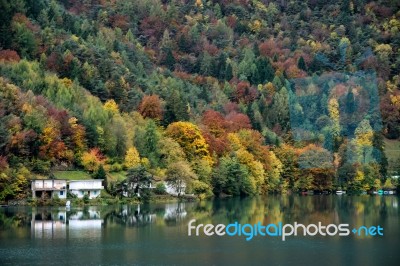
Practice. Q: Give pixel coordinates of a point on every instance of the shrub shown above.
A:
(86, 198)
(160, 189)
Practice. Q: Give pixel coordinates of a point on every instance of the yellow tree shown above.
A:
(191, 140)
(78, 135)
(111, 106)
(363, 139)
(274, 175)
(132, 158)
(333, 108)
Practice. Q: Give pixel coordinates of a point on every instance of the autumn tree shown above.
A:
(132, 158)
(190, 139)
(92, 159)
(151, 107)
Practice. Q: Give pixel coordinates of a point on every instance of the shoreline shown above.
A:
(76, 202)
(94, 202)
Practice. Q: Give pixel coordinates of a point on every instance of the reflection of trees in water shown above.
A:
(143, 215)
(310, 209)
(12, 218)
(357, 210)
(130, 215)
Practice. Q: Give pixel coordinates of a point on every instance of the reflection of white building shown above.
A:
(91, 188)
(89, 214)
(52, 187)
(49, 225)
(90, 228)
(57, 225)
(175, 211)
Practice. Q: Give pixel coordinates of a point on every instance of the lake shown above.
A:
(157, 234)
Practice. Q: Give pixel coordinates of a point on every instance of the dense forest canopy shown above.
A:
(232, 97)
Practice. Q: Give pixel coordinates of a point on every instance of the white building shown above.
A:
(92, 188)
(175, 190)
(52, 187)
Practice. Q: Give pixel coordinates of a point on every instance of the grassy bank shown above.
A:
(72, 175)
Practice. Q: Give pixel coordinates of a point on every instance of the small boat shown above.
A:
(340, 192)
(374, 192)
(386, 192)
(391, 192)
(380, 192)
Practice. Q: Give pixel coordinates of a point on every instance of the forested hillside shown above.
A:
(233, 97)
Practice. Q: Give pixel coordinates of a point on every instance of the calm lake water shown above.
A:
(157, 234)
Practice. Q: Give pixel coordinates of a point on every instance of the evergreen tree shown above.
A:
(169, 60)
(378, 153)
(221, 66)
(228, 72)
(301, 64)
(265, 70)
(100, 173)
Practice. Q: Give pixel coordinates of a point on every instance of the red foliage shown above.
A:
(379, 10)
(237, 121)
(217, 145)
(53, 62)
(371, 62)
(20, 142)
(3, 163)
(269, 48)
(231, 107)
(120, 21)
(9, 56)
(390, 115)
(151, 107)
(152, 27)
(182, 75)
(199, 80)
(231, 21)
(215, 122)
(243, 42)
(245, 93)
(61, 116)
(21, 18)
(97, 153)
(211, 49)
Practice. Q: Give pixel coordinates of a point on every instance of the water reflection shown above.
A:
(54, 222)
(64, 223)
(127, 234)
(142, 215)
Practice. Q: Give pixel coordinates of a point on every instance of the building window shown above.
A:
(61, 193)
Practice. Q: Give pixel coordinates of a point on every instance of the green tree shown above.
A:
(169, 60)
(228, 72)
(180, 175)
(301, 64)
(139, 180)
(100, 173)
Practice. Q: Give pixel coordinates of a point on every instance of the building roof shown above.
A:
(86, 180)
